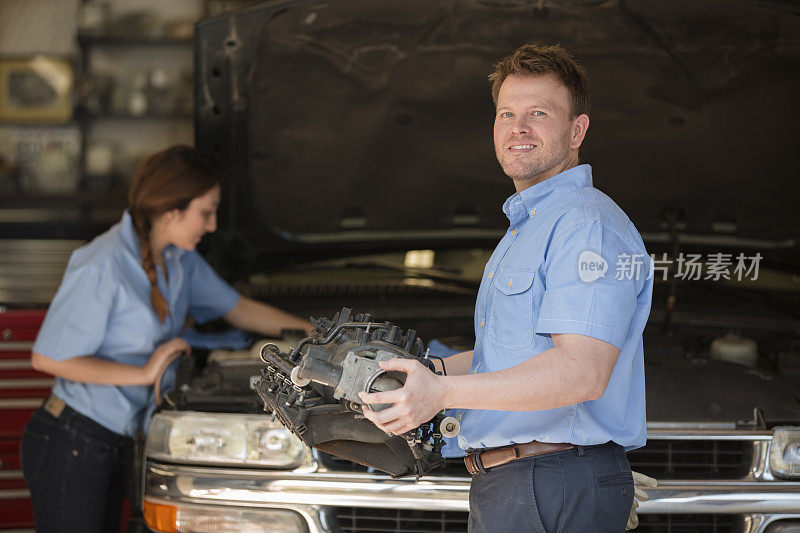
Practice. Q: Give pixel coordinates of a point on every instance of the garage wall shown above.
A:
(38, 27)
(50, 27)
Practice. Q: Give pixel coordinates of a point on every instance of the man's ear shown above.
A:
(580, 125)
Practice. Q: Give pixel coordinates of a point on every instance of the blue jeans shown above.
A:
(74, 468)
(589, 488)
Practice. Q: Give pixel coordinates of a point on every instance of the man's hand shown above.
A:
(416, 402)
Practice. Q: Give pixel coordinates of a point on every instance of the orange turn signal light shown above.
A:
(161, 517)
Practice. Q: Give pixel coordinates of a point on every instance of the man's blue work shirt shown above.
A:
(570, 262)
(102, 308)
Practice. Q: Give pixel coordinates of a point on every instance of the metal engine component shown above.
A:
(449, 427)
(314, 388)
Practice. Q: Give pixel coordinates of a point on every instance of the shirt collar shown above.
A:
(520, 205)
(128, 233)
(131, 239)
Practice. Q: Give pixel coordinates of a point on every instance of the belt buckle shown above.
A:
(474, 463)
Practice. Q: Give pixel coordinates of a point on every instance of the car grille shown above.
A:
(367, 520)
(685, 523)
(661, 459)
(693, 459)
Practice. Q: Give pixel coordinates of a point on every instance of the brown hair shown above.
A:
(537, 59)
(166, 180)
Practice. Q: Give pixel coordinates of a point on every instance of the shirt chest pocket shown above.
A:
(511, 315)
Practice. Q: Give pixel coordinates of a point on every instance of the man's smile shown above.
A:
(522, 147)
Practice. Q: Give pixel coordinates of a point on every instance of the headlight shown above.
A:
(784, 452)
(178, 517)
(244, 440)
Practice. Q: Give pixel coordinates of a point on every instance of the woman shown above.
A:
(111, 330)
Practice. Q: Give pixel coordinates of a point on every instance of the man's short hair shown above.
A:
(537, 59)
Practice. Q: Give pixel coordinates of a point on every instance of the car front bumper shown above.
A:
(313, 494)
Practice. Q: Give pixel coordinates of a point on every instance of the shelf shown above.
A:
(81, 116)
(76, 199)
(49, 216)
(85, 40)
(129, 116)
(33, 124)
(76, 230)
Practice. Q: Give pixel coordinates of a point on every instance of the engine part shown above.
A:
(314, 388)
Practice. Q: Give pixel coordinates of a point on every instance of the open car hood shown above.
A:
(361, 120)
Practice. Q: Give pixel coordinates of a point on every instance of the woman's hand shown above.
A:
(163, 356)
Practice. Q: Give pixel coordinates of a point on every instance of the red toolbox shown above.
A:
(22, 390)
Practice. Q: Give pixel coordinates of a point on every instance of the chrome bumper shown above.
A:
(309, 493)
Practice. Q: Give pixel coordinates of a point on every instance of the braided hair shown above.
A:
(166, 180)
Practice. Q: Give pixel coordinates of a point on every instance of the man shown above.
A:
(558, 361)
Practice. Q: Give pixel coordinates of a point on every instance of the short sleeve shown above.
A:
(586, 292)
(76, 321)
(210, 296)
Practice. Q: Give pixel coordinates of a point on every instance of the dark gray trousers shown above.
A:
(589, 488)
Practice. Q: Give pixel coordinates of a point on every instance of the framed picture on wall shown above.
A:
(36, 89)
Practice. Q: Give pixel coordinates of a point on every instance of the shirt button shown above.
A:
(509, 283)
(533, 212)
(491, 275)
(481, 323)
(513, 232)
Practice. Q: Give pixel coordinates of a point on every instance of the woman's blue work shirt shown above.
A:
(103, 308)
